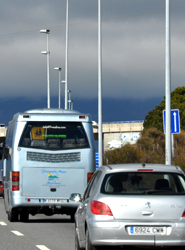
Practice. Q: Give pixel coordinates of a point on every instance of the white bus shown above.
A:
(48, 155)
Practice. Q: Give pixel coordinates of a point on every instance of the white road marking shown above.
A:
(2, 223)
(17, 233)
(175, 121)
(42, 247)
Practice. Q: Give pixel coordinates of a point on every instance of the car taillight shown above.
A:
(89, 175)
(100, 208)
(15, 181)
(183, 215)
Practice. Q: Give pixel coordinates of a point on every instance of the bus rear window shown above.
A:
(54, 135)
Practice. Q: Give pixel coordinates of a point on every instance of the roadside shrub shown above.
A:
(125, 154)
(150, 148)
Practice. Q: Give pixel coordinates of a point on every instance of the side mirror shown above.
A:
(75, 197)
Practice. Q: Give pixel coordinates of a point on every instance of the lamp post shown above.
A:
(59, 82)
(70, 104)
(100, 146)
(69, 98)
(66, 56)
(65, 93)
(168, 142)
(46, 31)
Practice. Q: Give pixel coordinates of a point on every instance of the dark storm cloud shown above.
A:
(133, 43)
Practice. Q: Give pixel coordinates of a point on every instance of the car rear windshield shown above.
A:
(54, 135)
(143, 183)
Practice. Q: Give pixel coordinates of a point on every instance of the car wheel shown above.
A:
(88, 245)
(77, 246)
(13, 216)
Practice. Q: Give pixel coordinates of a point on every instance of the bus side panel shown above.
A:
(11, 163)
(91, 156)
(89, 131)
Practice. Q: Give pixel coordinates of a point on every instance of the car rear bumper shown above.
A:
(116, 233)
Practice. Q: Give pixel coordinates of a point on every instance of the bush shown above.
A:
(125, 154)
(150, 148)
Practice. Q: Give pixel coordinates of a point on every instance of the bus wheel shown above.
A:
(13, 216)
(24, 216)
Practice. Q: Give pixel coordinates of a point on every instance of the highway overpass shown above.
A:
(116, 134)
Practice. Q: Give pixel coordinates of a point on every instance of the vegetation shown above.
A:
(154, 118)
(150, 148)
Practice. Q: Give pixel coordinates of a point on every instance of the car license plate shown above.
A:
(54, 200)
(148, 230)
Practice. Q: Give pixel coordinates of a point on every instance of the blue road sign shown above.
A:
(97, 160)
(175, 121)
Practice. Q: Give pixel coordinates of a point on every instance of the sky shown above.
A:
(133, 55)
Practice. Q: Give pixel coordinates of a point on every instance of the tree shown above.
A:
(154, 118)
(152, 144)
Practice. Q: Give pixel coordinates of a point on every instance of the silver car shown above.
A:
(132, 205)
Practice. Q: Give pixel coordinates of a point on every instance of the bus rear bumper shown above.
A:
(47, 206)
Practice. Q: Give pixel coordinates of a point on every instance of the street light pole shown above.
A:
(66, 56)
(70, 104)
(47, 52)
(168, 143)
(69, 98)
(100, 146)
(59, 91)
(64, 91)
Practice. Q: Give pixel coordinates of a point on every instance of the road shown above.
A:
(41, 232)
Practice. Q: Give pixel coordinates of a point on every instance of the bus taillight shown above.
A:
(15, 181)
(89, 175)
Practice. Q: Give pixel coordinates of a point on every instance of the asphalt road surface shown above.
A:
(55, 232)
